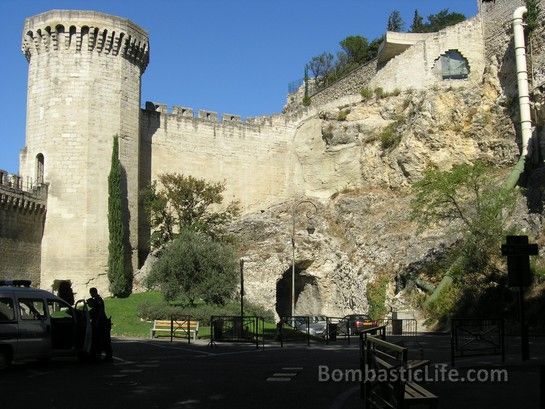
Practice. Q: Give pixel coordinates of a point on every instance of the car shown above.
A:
(36, 324)
(355, 323)
(316, 325)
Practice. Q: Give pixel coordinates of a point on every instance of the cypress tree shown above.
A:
(118, 277)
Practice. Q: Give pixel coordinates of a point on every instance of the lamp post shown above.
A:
(310, 230)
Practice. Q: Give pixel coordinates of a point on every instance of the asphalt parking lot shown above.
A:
(160, 374)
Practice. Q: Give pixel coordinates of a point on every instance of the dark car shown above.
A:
(355, 323)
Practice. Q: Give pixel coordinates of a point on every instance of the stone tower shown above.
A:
(84, 79)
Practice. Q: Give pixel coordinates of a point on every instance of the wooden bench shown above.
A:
(175, 328)
(383, 357)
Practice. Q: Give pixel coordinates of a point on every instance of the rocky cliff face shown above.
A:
(357, 163)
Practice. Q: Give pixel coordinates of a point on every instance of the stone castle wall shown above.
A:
(83, 89)
(417, 67)
(252, 157)
(22, 216)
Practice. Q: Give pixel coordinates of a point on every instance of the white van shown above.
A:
(36, 324)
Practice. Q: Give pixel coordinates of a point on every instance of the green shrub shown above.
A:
(379, 92)
(390, 137)
(376, 297)
(194, 267)
(306, 100)
(201, 312)
(343, 114)
(366, 94)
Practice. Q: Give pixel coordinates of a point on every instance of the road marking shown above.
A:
(293, 368)
(147, 366)
(131, 370)
(273, 379)
(281, 374)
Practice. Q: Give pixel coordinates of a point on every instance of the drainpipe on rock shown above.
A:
(526, 132)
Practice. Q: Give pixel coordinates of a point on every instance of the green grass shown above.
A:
(125, 321)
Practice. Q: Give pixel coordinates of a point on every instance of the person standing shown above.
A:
(101, 325)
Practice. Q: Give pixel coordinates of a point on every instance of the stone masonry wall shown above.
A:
(252, 157)
(416, 67)
(83, 89)
(22, 218)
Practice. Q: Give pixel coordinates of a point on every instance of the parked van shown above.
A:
(36, 324)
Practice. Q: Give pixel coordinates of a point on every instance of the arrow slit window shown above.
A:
(453, 66)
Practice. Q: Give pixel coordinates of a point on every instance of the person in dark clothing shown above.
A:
(101, 326)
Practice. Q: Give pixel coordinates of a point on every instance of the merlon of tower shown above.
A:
(85, 31)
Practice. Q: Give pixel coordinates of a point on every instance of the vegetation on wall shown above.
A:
(376, 297)
(119, 275)
(467, 199)
(532, 15)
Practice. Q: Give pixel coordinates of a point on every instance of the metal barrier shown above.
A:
(476, 337)
(405, 326)
(234, 328)
(337, 328)
(296, 326)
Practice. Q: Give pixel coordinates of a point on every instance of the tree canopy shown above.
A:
(435, 22)
(184, 202)
(395, 22)
(119, 273)
(194, 267)
(469, 196)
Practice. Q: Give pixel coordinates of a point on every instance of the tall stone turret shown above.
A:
(83, 89)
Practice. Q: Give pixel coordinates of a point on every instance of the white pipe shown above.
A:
(522, 78)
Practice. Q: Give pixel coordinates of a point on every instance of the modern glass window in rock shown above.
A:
(454, 66)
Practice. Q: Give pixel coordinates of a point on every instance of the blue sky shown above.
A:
(234, 56)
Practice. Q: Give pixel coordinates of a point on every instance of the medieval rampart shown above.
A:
(252, 157)
(22, 215)
(419, 66)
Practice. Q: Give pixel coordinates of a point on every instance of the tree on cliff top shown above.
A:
(186, 203)
(395, 22)
(118, 273)
(418, 23)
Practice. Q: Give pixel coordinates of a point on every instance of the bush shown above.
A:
(155, 311)
(389, 137)
(194, 267)
(379, 92)
(343, 114)
(376, 297)
(366, 94)
(306, 100)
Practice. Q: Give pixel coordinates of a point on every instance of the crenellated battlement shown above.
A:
(16, 194)
(85, 31)
(203, 116)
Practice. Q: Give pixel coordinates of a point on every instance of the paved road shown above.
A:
(157, 374)
(160, 374)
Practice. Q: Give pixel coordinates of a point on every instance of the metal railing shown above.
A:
(476, 337)
(294, 328)
(234, 328)
(405, 326)
(336, 329)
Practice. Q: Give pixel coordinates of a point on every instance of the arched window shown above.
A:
(453, 66)
(39, 169)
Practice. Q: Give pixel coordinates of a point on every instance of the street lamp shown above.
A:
(310, 230)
